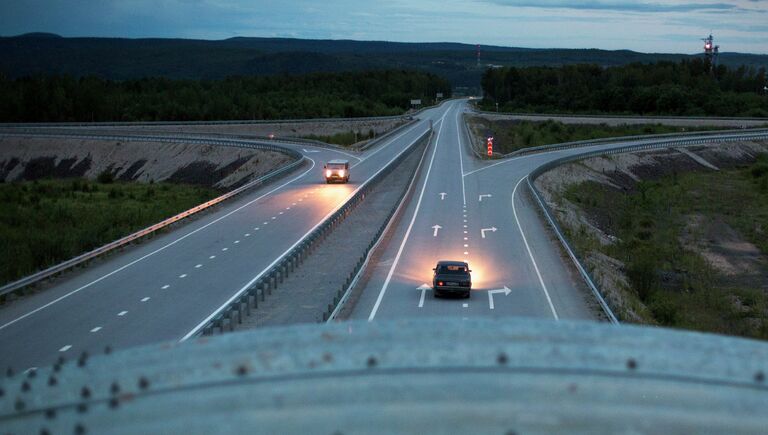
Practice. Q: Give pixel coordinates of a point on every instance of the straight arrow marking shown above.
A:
(442, 195)
(435, 228)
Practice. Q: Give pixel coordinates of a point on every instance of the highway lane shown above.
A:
(476, 224)
(486, 217)
(163, 288)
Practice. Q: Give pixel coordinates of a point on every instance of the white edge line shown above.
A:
(530, 255)
(156, 251)
(410, 226)
(257, 277)
(373, 249)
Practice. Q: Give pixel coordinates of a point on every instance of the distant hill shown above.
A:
(120, 59)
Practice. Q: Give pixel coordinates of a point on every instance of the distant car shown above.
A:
(452, 277)
(337, 171)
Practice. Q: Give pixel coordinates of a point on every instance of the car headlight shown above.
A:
(328, 173)
(341, 173)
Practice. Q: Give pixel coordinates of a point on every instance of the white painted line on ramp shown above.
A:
(530, 254)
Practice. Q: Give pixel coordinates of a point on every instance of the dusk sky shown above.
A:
(647, 26)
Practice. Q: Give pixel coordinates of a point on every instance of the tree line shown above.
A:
(59, 98)
(690, 88)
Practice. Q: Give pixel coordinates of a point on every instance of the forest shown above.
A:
(688, 88)
(62, 98)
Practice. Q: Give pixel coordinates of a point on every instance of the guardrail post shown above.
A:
(253, 301)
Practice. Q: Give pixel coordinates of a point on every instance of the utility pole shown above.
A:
(478, 55)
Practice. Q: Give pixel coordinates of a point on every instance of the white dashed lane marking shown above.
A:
(198, 266)
(145, 299)
(465, 305)
(122, 313)
(96, 329)
(183, 275)
(237, 241)
(274, 217)
(247, 234)
(164, 287)
(224, 249)
(280, 213)
(65, 348)
(256, 229)
(211, 257)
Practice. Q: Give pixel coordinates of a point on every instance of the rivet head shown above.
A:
(502, 359)
(50, 413)
(760, 377)
(143, 383)
(114, 388)
(52, 381)
(631, 364)
(85, 393)
(25, 386)
(371, 362)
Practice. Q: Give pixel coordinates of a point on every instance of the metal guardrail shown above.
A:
(607, 116)
(763, 135)
(61, 267)
(240, 305)
(171, 123)
(607, 140)
(345, 292)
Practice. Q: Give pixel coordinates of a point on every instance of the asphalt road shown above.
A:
(463, 208)
(164, 288)
(480, 212)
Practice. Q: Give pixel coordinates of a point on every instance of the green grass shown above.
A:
(45, 222)
(344, 139)
(678, 287)
(514, 135)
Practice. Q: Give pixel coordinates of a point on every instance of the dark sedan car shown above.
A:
(452, 277)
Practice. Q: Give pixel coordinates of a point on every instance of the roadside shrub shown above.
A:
(106, 177)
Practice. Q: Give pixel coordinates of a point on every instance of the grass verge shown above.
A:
(665, 230)
(345, 138)
(45, 222)
(512, 135)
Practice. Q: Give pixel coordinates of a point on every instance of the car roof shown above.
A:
(338, 162)
(451, 263)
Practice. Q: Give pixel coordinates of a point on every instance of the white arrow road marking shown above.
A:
(482, 231)
(442, 195)
(423, 288)
(486, 195)
(504, 290)
(436, 228)
(310, 151)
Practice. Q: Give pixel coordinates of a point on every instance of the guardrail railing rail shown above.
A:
(646, 146)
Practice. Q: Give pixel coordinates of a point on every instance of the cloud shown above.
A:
(619, 6)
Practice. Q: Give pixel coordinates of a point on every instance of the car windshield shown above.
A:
(452, 269)
(335, 166)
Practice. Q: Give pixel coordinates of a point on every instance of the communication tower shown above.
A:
(711, 50)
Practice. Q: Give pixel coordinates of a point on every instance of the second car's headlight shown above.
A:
(328, 173)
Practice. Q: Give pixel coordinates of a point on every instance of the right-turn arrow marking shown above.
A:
(504, 290)
(492, 229)
(424, 287)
